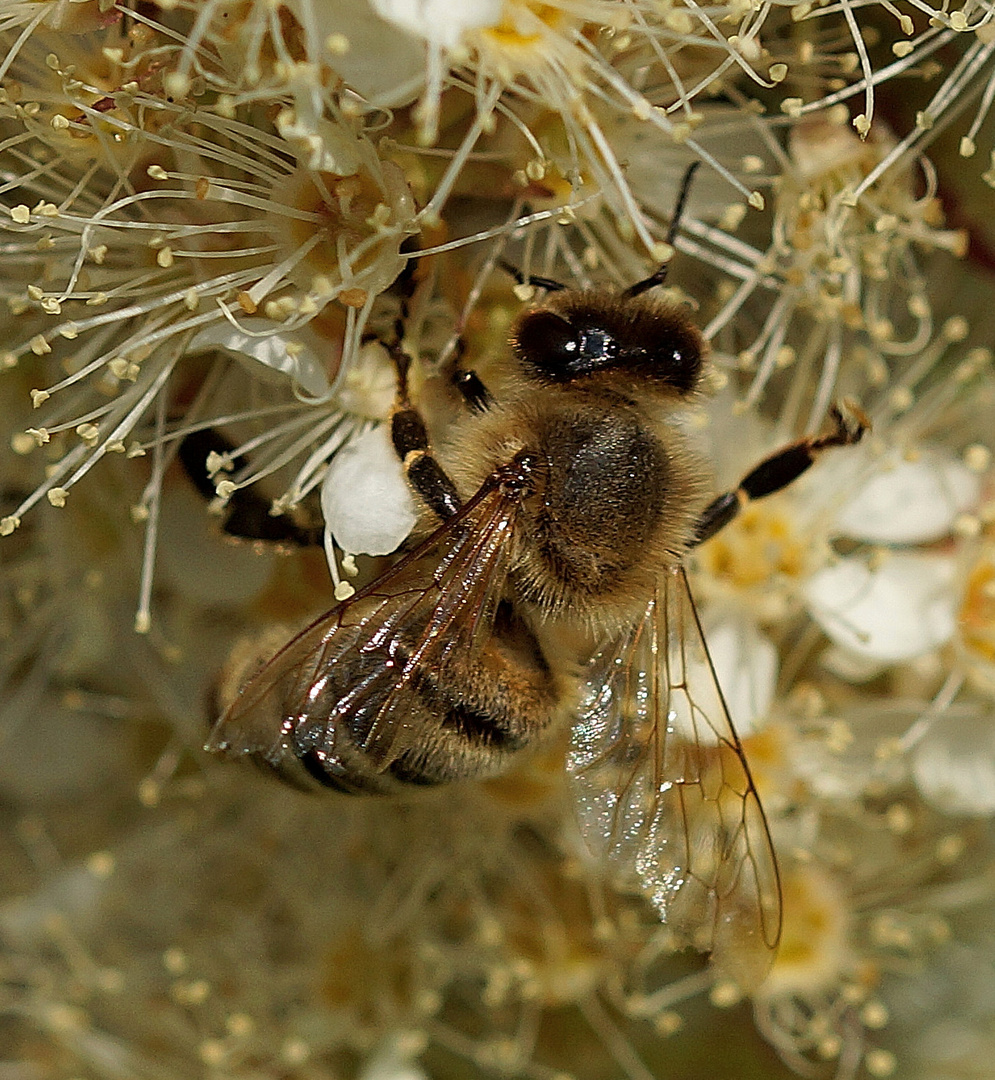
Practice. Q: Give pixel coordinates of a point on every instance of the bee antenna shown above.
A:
(659, 276)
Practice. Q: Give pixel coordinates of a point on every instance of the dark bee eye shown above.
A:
(560, 350)
(546, 339)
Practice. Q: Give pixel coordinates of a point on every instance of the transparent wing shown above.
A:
(664, 791)
(358, 664)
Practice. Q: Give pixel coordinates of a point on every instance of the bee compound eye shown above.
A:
(680, 362)
(548, 343)
(560, 350)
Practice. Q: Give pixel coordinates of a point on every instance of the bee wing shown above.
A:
(440, 598)
(663, 789)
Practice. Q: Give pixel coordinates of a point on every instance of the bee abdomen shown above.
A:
(470, 716)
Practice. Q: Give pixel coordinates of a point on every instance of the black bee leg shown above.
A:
(468, 383)
(549, 284)
(410, 438)
(779, 470)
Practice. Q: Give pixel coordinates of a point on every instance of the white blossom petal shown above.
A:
(745, 663)
(379, 60)
(844, 760)
(300, 362)
(392, 1063)
(655, 163)
(368, 387)
(910, 502)
(893, 612)
(368, 506)
(440, 21)
(954, 765)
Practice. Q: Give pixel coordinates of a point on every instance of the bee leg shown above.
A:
(549, 284)
(468, 383)
(778, 470)
(411, 443)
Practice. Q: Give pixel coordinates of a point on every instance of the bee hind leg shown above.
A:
(778, 470)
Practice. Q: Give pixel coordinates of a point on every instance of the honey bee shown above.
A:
(564, 512)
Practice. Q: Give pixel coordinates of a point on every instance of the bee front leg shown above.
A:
(409, 436)
(468, 383)
(778, 470)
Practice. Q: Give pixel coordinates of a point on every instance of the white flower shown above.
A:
(368, 387)
(893, 606)
(440, 21)
(394, 1061)
(379, 59)
(746, 665)
(288, 353)
(910, 501)
(954, 764)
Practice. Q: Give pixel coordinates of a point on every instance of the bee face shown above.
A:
(638, 340)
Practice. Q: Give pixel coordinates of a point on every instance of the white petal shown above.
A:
(440, 21)
(365, 498)
(368, 388)
(655, 163)
(385, 64)
(301, 363)
(899, 610)
(954, 765)
(910, 502)
(391, 1063)
(745, 663)
(844, 762)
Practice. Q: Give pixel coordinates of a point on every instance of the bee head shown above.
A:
(575, 335)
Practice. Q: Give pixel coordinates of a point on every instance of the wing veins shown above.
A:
(657, 765)
(290, 679)
(454, 599)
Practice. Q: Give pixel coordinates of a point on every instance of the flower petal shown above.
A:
(892, 612)
(910, 502)
(368, 388)
(745, 662)
(381, 61)
(954, 765)
(301, 363)
(440, 21)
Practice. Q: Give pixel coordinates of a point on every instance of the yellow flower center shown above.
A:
(814, 948)
(977, 612)
(522, 23)
(758, 546)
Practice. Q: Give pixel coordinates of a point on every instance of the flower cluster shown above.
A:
(224, 226)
